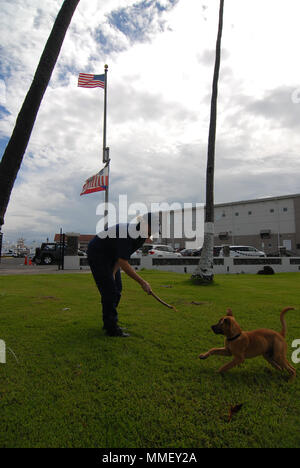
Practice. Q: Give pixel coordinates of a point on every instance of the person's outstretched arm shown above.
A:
(133, 274)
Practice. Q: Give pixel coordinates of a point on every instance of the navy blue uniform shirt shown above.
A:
(118, 243)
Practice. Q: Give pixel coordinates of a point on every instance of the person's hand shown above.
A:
(146, 287)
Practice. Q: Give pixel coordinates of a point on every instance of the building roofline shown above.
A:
(257, 200)
(242, 202)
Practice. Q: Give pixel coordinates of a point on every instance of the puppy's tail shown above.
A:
(283, 322)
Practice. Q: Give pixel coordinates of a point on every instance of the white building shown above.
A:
(267, 224)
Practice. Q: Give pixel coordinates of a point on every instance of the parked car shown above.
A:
(187, 252)
(197, 252)
(137, 254)
(160, 250)
(82, 253)
(50, 253)
(282, 252)
(9, 253)
(241, 251)
(21, 254)
(47, 254)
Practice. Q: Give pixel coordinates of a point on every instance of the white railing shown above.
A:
(222, 265)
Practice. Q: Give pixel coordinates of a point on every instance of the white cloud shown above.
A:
(159, 87)
(2, 93)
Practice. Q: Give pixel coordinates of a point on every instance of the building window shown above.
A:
(298, 247)
(285, 210)
(266, 234)
(223, 235)
(249, 213)
(237, 214)
(223, 215)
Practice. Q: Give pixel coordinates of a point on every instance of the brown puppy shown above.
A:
(243, 345)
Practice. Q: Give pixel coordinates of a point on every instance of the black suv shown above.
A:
(48, 253)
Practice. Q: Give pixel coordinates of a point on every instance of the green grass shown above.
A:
(75, 387)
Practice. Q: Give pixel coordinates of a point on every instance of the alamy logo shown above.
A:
(296, 96)
(2, 352)
(296, 354)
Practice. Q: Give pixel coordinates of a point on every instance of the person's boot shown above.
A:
(116, 331)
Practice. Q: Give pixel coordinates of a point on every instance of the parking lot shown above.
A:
(16, 266)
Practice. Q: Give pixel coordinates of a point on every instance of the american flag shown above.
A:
(91, 81)
(96, 183)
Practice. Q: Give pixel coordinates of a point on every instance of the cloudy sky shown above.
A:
(161, 57)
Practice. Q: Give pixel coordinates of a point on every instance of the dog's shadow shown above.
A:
(262, 377)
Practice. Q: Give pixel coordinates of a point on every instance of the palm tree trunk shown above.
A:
(204, 271)
(16, 147)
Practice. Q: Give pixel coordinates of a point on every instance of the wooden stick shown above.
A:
(161, 301)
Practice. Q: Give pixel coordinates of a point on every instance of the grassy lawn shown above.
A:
(75, 387)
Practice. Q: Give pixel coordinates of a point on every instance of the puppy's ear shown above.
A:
(229, 313)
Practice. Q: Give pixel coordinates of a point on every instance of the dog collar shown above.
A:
(234, 338)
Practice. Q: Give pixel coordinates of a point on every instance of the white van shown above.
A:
(242, 251)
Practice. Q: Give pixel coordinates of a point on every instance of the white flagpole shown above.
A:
(106, 159)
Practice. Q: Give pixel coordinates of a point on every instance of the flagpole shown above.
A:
(106, 159)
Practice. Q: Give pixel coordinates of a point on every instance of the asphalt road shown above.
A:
(16, 266)
(11, 262)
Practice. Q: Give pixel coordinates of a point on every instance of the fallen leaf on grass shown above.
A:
(79, 370)
(233, 410)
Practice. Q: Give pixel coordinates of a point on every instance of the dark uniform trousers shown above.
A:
(109, 287)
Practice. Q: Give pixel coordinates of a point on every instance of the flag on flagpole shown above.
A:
(96, 183)
(91, 81)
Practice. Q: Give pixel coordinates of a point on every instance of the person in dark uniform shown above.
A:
(107, 253)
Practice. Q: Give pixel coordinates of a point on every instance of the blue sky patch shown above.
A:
(136, 22)
(3, 144)
(107, 45)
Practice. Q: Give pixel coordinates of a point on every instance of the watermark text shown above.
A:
(2, 352)
(168, 220)
(296, 353)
